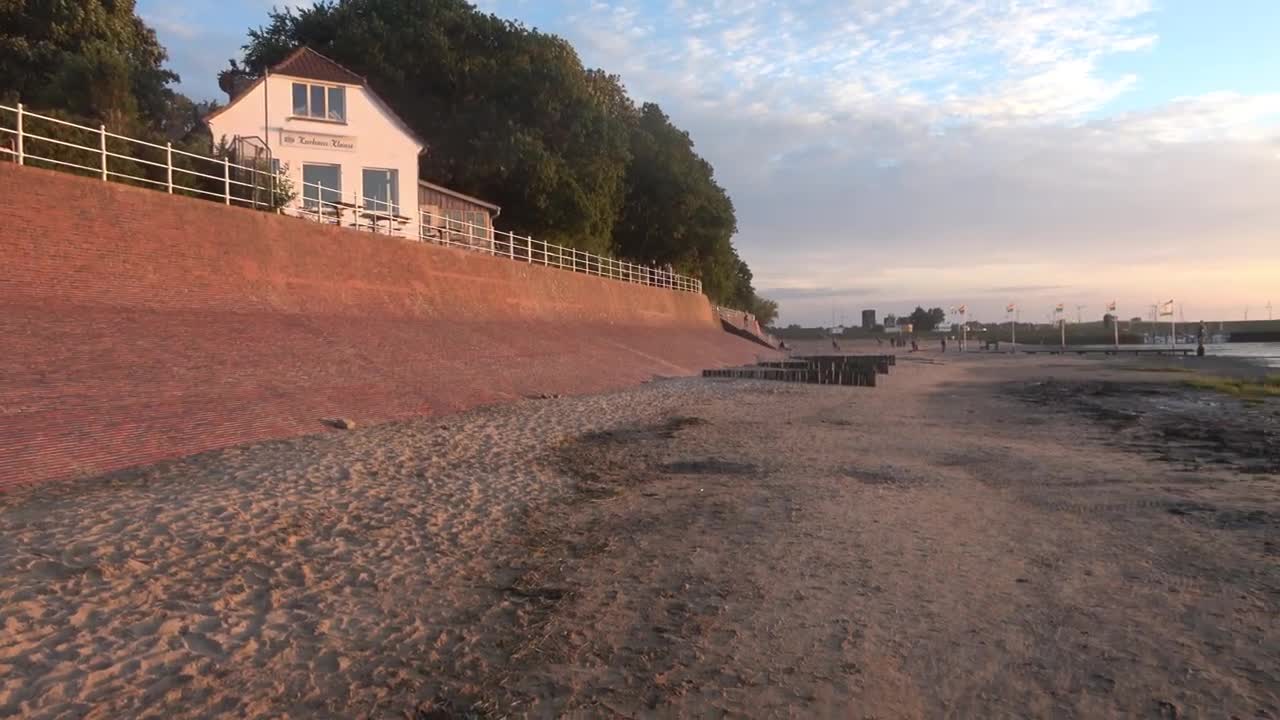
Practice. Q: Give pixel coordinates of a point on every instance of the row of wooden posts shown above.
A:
(855, 370)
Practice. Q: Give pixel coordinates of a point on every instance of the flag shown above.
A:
(1166, 309)
(964, 309)
(1058, 308)
(1111, 306)
(1009, 308)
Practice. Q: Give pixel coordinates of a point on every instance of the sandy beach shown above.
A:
(979, 536)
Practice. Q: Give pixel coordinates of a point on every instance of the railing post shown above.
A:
(102, 145)
(168, 165)
(21, 145)
(226, 180)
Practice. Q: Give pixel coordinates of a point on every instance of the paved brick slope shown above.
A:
(138, 327)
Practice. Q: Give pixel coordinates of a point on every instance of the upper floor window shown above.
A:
(322, 102)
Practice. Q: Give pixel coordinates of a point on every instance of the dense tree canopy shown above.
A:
(85, 58)
(926, 320)
(675, 213)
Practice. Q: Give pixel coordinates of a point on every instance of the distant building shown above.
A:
(868, 319)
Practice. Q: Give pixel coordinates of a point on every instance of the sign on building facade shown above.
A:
(341, 143)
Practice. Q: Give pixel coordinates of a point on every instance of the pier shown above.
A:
(1112, 351)
(850, 370)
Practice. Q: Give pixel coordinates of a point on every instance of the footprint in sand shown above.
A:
(202, 644)
(328, 663)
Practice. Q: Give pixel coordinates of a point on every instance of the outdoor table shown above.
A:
(374, 218)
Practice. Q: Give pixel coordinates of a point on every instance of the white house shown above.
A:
(351, 159)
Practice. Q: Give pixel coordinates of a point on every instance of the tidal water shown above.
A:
(1266, 353)
(1262, 353)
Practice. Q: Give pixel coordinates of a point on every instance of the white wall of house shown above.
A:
(370, 137)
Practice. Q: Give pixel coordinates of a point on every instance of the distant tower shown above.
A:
(868, 319)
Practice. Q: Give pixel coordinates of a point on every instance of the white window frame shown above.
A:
(393, 200)
(479, 225)
(320, 202)
(324, 115)
(456, 221)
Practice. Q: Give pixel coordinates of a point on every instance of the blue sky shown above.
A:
(1202, 48)
(887, 153)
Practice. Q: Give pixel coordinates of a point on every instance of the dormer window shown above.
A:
(320, 102)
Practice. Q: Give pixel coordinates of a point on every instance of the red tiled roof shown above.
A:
(311, 65)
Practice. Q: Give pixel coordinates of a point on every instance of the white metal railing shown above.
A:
(136, 161)
(746, 321)
(111, 156)
(455, 232)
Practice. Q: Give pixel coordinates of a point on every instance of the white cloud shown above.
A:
(957, 61)
(958, 150)
(175, 22)
(1214, 116)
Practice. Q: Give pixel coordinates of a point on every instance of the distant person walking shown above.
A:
(835, 345)
(944, 344)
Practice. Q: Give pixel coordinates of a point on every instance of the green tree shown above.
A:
(91, 59)
(765, 310)
(676, 213)
(927, 320)
(95, 62)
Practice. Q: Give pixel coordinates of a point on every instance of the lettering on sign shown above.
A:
(343, 143)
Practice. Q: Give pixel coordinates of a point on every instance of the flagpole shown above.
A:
(1114, 314)
(1060, 317)
(1013, 335)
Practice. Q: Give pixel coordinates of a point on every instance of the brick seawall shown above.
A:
(139, 327)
